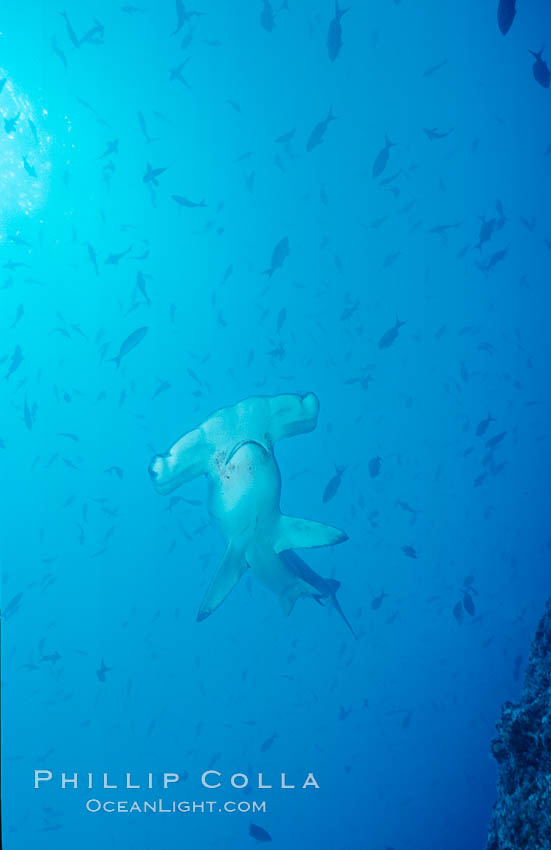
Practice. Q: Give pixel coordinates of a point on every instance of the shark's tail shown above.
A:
(309, 583)
(339, 11)
(334, 585)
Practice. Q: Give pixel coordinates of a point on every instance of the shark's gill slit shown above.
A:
(243, 443)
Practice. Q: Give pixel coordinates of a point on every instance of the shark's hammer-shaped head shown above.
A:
(163, 475)
(292, 414)
(262, 419)
(187, 459)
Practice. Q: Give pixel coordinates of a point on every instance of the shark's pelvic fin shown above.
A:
(287, 600)
(296, 533)
(229, 572)
(274, 572)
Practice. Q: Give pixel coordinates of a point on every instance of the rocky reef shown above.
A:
(522, 814)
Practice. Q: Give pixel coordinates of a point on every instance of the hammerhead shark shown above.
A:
(234, 448)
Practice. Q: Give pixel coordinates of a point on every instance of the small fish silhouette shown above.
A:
(185, 202)
(333, 484)
(11, 123)
(377, 601)
(487, 228)
(540, 69)
(381, 159)
(151, 174)
(318, 133)
(482, 426)
(15, 362)
(468, 604)
(111, 148)
(279, 255)
(259, 834)
(390, 336)
(103, 670)
(30, 169)
(458, 612)
(334, 34)
(267, 745)
(506, 12)
(374, 466)
(129, 343)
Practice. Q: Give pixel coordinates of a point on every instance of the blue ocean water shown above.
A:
(450, 237)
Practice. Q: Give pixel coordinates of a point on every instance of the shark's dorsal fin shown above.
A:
(229, 572)
(297, 533)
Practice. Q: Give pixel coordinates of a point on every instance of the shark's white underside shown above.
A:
(234, 449)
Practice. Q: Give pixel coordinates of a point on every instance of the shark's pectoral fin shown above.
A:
(228, 574)
(296, 533)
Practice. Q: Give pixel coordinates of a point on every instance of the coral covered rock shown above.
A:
(522, 749)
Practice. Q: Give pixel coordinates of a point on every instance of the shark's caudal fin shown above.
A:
(313, 584)
(334, 586)
(228, 574)
(296, 533)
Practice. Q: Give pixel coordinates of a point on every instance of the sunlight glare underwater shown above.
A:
(24, 154)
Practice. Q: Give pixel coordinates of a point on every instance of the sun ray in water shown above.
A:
(25, 163)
